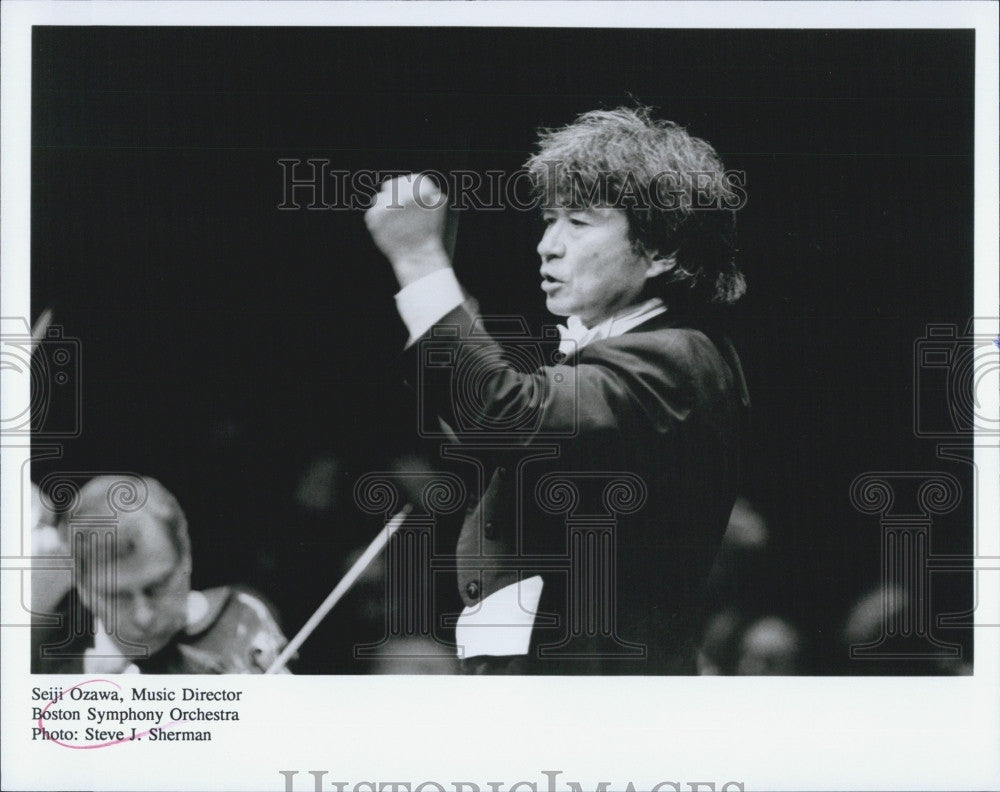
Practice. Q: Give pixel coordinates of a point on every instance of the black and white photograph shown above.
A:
(644, 369)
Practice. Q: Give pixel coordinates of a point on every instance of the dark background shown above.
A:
(227, 344)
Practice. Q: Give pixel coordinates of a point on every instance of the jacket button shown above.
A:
(472, 590)
(490, 529)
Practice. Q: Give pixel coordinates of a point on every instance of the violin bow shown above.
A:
(357, 568)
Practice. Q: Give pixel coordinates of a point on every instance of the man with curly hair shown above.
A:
(646, 399)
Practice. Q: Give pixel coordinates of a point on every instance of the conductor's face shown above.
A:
(589, 266)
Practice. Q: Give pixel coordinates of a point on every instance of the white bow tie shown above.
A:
(575, 335)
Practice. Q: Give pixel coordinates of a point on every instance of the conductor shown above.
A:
(638, 255)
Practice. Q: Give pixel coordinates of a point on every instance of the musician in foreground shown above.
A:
(132, 609)
(641, 424)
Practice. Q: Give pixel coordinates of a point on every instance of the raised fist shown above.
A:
(407, 223)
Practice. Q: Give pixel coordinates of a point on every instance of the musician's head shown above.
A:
(634, 208)
(134, 569)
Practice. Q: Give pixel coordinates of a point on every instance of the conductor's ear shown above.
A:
(658, 265)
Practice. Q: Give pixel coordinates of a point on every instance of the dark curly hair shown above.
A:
(679, 200)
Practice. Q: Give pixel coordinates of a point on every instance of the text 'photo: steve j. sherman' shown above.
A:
(99, 713)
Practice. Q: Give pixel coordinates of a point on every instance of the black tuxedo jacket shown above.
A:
(612, 474)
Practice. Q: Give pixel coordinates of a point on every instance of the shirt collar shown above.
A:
(575, 335)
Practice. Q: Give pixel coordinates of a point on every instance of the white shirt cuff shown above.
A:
(425, 301)
(501, 624)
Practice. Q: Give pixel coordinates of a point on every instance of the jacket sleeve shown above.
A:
(462, 375)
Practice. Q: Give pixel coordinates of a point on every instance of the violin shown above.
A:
(234, 631)
(238, 634)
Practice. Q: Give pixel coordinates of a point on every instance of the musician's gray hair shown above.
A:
(159, 507)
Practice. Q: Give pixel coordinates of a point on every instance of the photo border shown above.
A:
(806, 733)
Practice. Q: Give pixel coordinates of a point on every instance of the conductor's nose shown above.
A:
(551, 244)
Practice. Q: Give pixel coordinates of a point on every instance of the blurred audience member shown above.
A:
(868, 625)
(770, 647)
(867, 619)
(718, 650)
(747, 527)
(739, 566)
(317, 489)
(414, 655)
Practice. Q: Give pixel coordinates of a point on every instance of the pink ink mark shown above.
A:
(95, 745)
